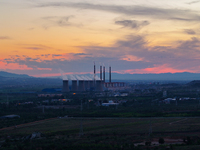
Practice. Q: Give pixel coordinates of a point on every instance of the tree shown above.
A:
(161, 141)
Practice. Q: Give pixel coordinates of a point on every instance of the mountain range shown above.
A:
(4, 74)
(186, 76)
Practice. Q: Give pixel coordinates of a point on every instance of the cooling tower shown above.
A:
(99, 85)
(65, 86)
(91, 84)
(81, 86)
(87, 87)
(74, 86)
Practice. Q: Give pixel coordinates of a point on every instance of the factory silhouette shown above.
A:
(85, 83)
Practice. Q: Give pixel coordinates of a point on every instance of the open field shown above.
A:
(158, 123)
(109, 131)
(131, 130)
(164, 126)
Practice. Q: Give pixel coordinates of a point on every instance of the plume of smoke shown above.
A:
(73, 77)
(88, 78)
(64, 77)
(78, 77)
(91, 77)
(83, 77)
(97, 78)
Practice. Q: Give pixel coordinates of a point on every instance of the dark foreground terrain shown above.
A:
(147, 117)
(177, 133)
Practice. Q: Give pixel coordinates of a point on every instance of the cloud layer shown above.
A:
(134, 10)
(4, 38)
(131, 55)
(131, 36)
(132, 24)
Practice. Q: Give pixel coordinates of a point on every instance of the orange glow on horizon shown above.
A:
(13, 66)
(154, 70)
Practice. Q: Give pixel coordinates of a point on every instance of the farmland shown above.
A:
(108, 132)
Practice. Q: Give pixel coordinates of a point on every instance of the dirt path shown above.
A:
(178, 121)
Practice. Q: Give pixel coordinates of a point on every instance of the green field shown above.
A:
(109, 132)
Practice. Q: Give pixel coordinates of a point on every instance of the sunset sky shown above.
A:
(43, 37)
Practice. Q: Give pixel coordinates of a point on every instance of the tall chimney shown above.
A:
(104, 74)
(110, 74)
(94, 73)
(100, 72)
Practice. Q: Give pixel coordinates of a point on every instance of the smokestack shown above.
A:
(94, 73)
(65, 86)
(100, 72)
(94, 70)
(104, 74)
(74, 86)
(110, 74)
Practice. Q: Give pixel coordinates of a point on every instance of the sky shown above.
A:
(43, 37)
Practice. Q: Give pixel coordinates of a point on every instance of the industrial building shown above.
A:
(82, 84)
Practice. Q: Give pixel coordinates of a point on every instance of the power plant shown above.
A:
(65, 86)
(74, 87)
(86, 83)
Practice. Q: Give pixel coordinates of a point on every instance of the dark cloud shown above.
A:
(184, 56)
(81, 54)
(4, 38)
(133, 24)
(193, 2)
(59, 21)
(85, 64)
(190, 31)
(193, 44)
(134, 42)
(184, 19)
(56, 55)
(45, 55)
(134, 10)
(35, 47)
(64, 21)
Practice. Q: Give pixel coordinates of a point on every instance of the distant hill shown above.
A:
(184, 76)
(12, 80)
(22, 80)
(163, 76)
(194, 83)
(4, 74)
